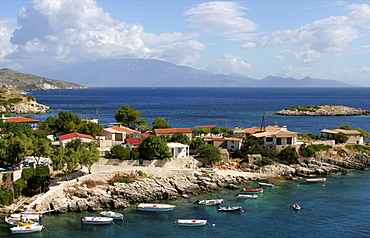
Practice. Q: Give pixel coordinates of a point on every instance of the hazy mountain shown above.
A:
(156, 73)
(24, 81)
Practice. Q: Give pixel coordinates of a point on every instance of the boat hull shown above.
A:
(316, 180)
(186, 222)
(247, 196)
(114, 215)
(96, 220)
(26, 229)
(155, 207)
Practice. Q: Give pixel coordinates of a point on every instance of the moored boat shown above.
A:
(33, 217)
(19, 221)
(210, 202)
(26, 229)
(96, 220)
(257, 190)
(114, 215)
(191, 222)
(229, 209)
(247, 196)
(267, 184)
(155, 207)
(316, 180)
(296, 206)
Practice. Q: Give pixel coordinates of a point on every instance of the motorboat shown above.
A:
(267, 184)
(26, 229)
(191, 222)
(229, 209)
(210, 202)
(155, 207)
(256, 190)
(33, 217)
(296, 206)
(316, 180)
(19, 221)
(96, 220)
(247, 196)
(114, 215)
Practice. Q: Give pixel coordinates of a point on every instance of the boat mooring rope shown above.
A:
(211, 224)
(117, 225)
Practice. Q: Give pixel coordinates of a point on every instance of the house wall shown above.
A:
(233, 145)
(64, 142)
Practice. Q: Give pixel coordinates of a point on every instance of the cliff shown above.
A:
(21, 104)
(322, 110)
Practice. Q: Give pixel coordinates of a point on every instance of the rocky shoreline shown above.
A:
(26, 107)
(325, 110)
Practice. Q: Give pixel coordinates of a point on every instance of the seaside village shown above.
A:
(183, 160)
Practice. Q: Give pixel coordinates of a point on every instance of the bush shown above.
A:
(15, 100)
(320, 147)
(264, 161)
(121, 180)
(19, 186)
(31, 98)
(308, 108)
(307, 151)
(289, 154)
(6, 196)
(361, 148)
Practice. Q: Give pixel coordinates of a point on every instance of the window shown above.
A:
(289, 141)
(269, 139)
(278, 141)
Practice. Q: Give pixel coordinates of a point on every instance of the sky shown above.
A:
(319, 39)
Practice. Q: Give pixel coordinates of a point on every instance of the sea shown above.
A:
(337, 208)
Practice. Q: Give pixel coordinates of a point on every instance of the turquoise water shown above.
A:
(336, 208)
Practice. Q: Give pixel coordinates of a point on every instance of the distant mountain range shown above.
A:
(156, 73)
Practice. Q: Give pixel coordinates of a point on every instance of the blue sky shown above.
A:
(320, 39)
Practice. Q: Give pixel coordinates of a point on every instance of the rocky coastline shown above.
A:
(93, 192)
(26, 107)
(325, 110)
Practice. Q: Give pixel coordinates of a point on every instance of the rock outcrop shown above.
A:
(26, 107)
(325, 110)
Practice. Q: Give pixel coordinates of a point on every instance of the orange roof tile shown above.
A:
(172, 130)
(206, 127)
(21, 119)
(124, 129)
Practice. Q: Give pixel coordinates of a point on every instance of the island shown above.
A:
(322, 110)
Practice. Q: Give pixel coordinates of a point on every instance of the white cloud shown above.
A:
(295, 72)
(229, 63)
(322, 38)
(356, 76)
(60, 32)
(7, 27)
(221, 19)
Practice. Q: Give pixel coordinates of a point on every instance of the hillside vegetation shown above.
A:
(14, 79)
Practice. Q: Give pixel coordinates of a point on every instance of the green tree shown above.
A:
(134, 154)
(59, 157)
(180, 137)
(129, 117)
(341, 138)
(364, 133)
(90, 128)
(41, 147)
(194, 144)
(88, 155)
(154, 147)
(289, 154)
(17, 148)
(160, 123)
(118, 152)
(209, 152)
(344, 127)
(307, 151)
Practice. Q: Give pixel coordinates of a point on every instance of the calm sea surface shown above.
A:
(338, 208)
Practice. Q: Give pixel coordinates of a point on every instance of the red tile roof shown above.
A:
(172, 130)
(252, 130)
(21, 119)
(123, 129)
(206, 127)
(134, 140)
(73, 135)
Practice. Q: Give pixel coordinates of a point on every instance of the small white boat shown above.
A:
(210, 170)
(114, 215)
(316, 180)
(191, 222)
(33, 217)
(26, 229)
(210, 202)
(155, 207)
(256, 190)
(267, 184)
(96, 220)
(247, 196)
(296, 206)
(229, 209)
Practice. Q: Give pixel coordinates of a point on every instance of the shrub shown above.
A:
(6, 196)
(15, 100)
(31, 98)
(264, 161)
(121, 180)
(290, 154)
(307, 151)
(361, 148)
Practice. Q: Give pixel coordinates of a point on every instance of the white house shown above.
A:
(64, 139)
(178, 150)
